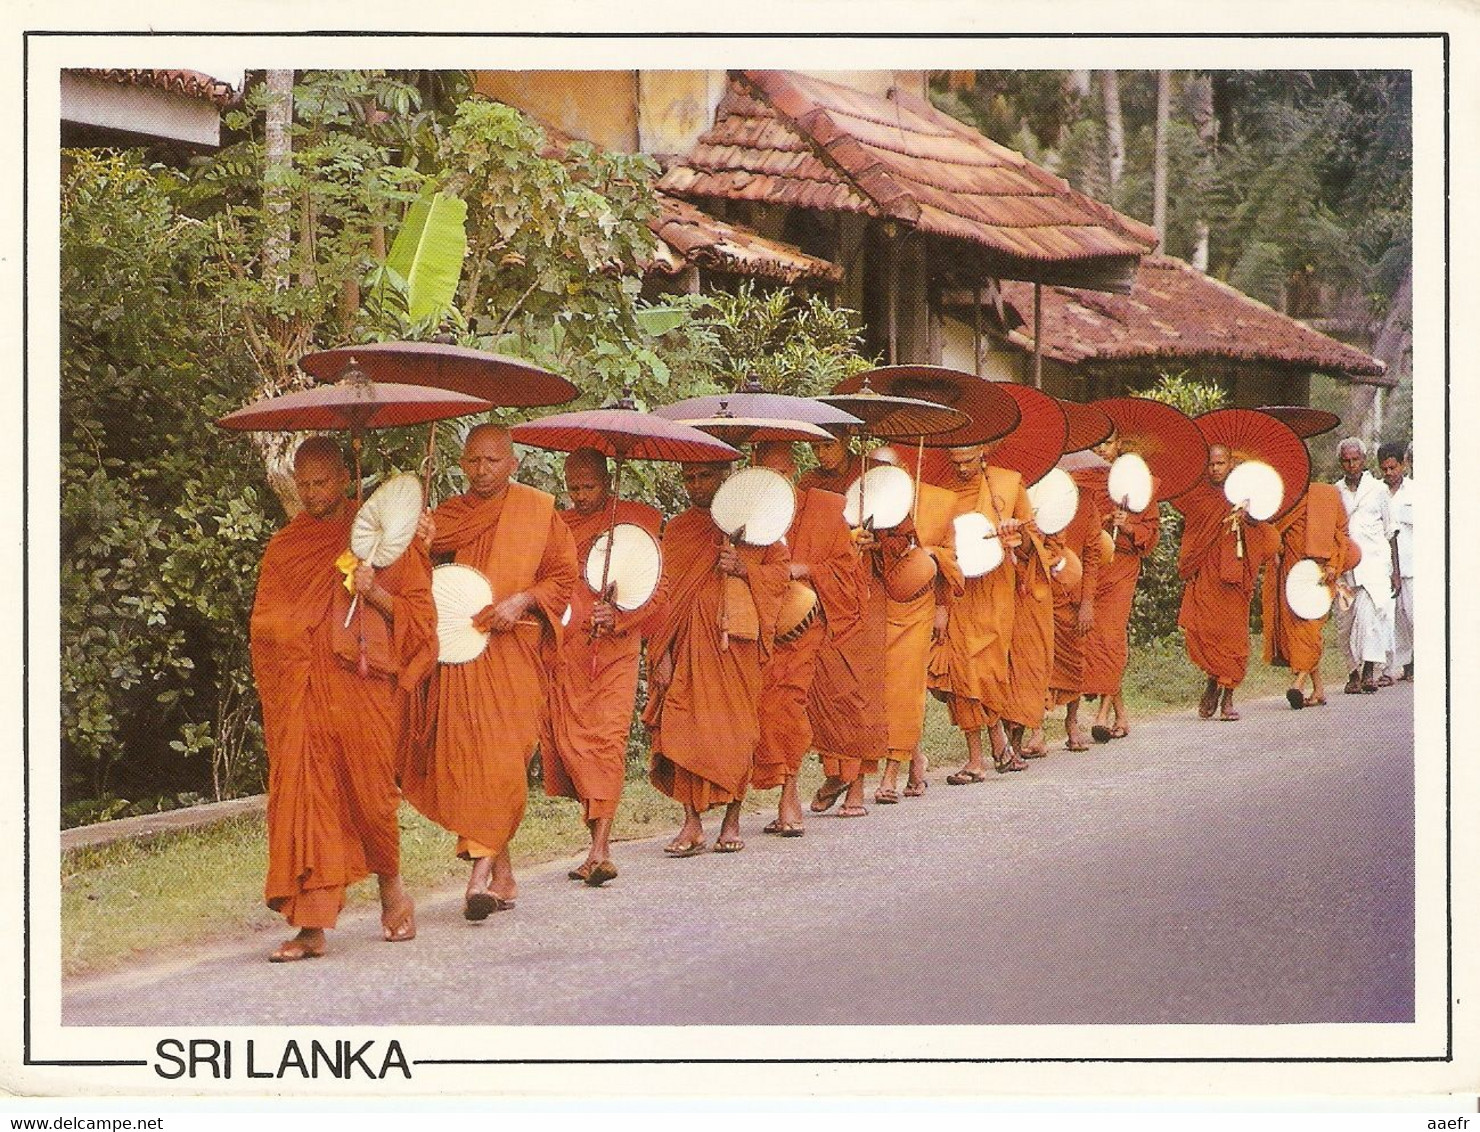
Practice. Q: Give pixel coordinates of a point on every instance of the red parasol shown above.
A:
(991, 412)
(1036, 444)
(502, 381)
(1304, 421)
(1251, 435)
(355, 406)
(1088, 426)
(1165, 437)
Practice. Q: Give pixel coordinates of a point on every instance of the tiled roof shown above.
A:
(694, 237)
(1178, 312)
(191, 84)
(786, 138)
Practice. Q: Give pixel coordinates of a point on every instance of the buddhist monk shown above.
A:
(705, 654)
(1316, 528)
(1074, 602)
(331, 732)
(826, 565)
(1218, 584)
(1031, 647)
(850, 733)
(1107, 645)
(916, 625)
(969, 668)
(465, 761)
(584, 748)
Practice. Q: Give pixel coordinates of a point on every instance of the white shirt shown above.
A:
(1400, 504)
(1370, 519)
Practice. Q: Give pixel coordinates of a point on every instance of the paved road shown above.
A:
(1194, 872)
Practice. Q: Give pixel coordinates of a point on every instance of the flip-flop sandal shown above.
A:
(1032, 753)
(729, 845)
(1385, 682)
(1368, 689)
(965, 777)
(1229, 717)
(886, 797)
(686, 848)
(852, 812)
(581, 872)
(1120, 732)
(293, 950)
(403, 928)
(824, 801)
(916, 789)
(1071, 746)
(1295, 698)
(1316, 703)
(601, 872)
(1100, 733)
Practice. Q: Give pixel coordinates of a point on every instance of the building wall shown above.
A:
(958, 351)
(594, 106)
(138, 110)
(675, 107)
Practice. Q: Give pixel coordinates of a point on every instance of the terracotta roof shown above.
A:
(1176, 311)
(191, 84)
(790, 139)
(692, 236)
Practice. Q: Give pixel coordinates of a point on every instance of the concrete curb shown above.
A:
(148, 825)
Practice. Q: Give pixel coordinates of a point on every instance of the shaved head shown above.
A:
(321, 450)
(488, 460)
(587, 480)
(776, 455)
(320, 476)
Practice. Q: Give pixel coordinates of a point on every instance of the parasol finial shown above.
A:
(625, 401)
(752, 384)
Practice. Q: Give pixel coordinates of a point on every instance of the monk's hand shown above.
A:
(1328, 575)
(364, 578)
(502, 616)
(800, 570)
(662, 674)
(864, 540)
(1011, 533)
(730, 561)
(1120, 517)
(938, 626)
(1086, 620)
(426, 529)
(603, 617)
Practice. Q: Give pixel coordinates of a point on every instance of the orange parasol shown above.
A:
(1304, 421)
(1251, 435)
(1036, 444)
(1088, 425)
(1165, 437)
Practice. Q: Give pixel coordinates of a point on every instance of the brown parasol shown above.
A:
(990, 412)
(1036, 444)
(1165, 437)
(1249, 434)
(355, 405)
(750, 400)
(1304, 421)
(1088, 425)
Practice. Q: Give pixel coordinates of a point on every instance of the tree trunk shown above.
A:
(279, 157)
(1392, 346)
(1114, 128)
(1205, 121)
(1159, 168)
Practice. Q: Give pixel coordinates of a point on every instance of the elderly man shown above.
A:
(1392, 463)
(1218, 583)
(331, 732)
(704, 656)
(465, 765)
(584, 747)
(1364, 625)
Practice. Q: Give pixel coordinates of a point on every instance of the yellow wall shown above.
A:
(595, 106)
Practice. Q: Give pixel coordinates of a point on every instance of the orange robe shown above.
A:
(1107, 645)
(1217, 584)
(594, 683)
(1030, 654)
(331, 734)
(912, 623)
(1082, 536)
(706, 725)
(970, 668)
(466, 758)
(1316, 527)
(851, 734)
(820, 539)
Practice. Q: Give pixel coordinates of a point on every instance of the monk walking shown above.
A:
(1315, 528)
(584, 749)
(1074, 602)
(331, 733)
(465, 764)
(705, 657)
(1107, 644)
(850, 729)
(1218, 583)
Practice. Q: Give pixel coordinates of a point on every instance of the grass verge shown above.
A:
(197, 886)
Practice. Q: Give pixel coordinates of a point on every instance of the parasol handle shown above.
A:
(1115, 532)
(364, 666)
(724, 608)
(919, 471)
(604, 593)
(428, 464)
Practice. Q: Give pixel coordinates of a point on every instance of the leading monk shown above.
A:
(330, 731)
(465, 763)
(704, 656)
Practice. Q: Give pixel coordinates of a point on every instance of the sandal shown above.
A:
(784, 828)
(852, 812)
(1119, 732)
(1100, 733)
(481, 905)
(916, 789)
(1385, 682)
(677, 848)
(291, 951)
(1353, 686)
(402, 927)
(1316, 703)
(966, 777)
(1070, 745)
(600, 873)
(728, 845)
(581, 872)
(825, 799)
(1295, 698)
(884, 797)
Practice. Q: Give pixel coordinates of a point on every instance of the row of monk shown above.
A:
(358, 713)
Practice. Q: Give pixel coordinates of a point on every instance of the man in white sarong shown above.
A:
(1394, 468)
(1365, 625)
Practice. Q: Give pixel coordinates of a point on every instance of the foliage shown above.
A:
(1159, 592)
(159, 538)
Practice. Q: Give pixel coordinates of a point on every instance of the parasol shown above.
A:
(991, 412)
(1088, 426)
(1251, 435)
(623, 433)
(733, 429)
(1304, 421)
(750, 400)
(1165, 437)
(1036, 444)
(354, 405)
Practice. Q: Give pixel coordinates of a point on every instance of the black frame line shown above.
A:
(1443, 37)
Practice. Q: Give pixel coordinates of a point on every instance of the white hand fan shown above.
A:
(885, 494)
(1307, 596)
(755, 505)
(459, 593)
(1130, 483)
(978, 549)
(636, 566)
(386, 522)
(1257, 488)
(1055, 498)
